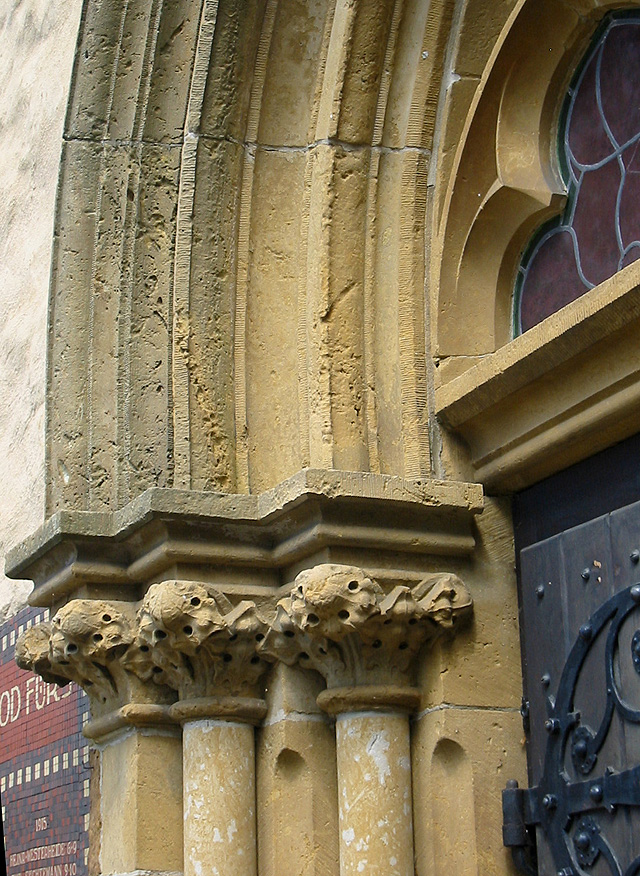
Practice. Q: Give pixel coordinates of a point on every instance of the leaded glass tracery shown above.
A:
(599, 150)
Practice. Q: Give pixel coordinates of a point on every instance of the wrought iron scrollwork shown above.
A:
(564, 809)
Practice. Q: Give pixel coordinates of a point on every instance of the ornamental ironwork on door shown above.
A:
(580, 602)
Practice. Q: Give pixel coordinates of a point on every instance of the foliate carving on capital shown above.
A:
(94, 643)
(200, 644)
(33, 652)
(340, 622)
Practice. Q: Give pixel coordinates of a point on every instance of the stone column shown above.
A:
(374, 782)
(205, 649)
(94, 643)
(340, 622)
(219, 800)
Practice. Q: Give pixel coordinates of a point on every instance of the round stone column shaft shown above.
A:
(219, 798)
(204, 647)
(374, 787)
(365, 641)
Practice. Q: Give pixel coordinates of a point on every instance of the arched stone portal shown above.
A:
(239, 261)
(268, 448)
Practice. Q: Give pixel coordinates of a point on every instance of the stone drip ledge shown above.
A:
(561, 337)
(556, 394)
(314, 510)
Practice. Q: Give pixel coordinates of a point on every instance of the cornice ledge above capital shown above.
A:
(200, 644)
(165, 529)
(339, 621)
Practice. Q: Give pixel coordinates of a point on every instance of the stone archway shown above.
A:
(239, 255)
(240, 390)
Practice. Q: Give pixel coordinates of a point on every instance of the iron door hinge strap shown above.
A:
(558, 804)
(522, 808)
(519, 816)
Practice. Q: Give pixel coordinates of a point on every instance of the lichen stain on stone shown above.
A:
(348, 836)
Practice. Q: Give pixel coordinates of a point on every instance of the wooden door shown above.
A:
(580, 625)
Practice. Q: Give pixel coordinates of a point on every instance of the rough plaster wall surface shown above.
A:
(37, 40)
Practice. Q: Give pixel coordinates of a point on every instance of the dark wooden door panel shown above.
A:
(542, 630)
(581, 660)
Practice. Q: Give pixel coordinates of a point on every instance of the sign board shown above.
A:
(44, 766)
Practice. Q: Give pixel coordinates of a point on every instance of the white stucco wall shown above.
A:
(37, 42)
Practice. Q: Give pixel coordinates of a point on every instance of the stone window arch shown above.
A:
(534, 404)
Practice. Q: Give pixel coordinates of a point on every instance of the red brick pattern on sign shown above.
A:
(44, 766)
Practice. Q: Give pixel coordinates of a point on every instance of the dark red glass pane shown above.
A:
(600, 149)
(594, 223)
(630, 198)
(587, 137)
(619, 80)
(554, 275)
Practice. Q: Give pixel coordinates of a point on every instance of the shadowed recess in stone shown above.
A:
(598, 233)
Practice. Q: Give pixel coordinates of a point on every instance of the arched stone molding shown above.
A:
(217, 226)
(240, 259)
(121, 274)
(497, 182)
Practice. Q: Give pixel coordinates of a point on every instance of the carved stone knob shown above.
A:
(33, 652)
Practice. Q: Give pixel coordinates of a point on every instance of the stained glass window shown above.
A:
(599, 150)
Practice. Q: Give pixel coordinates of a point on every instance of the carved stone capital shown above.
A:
(33, 652)
(340, 622)
(94, 643)
(199, 643)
